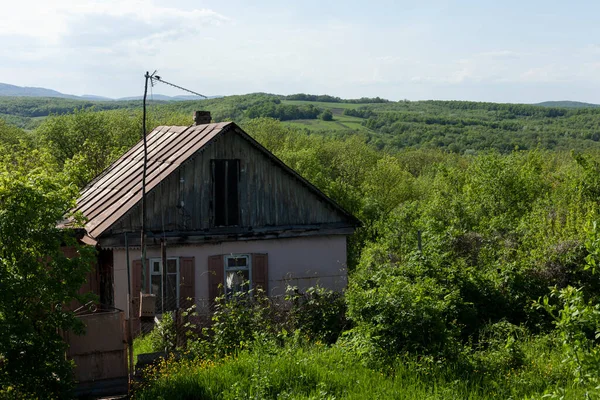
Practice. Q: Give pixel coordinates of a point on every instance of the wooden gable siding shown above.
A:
(268, 195)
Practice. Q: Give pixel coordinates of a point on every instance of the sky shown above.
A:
(522, 51)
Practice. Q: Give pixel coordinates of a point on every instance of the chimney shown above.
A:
(201, 117)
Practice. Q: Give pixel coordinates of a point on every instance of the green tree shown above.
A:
(86, 142)
(36, 279)
(327, 115)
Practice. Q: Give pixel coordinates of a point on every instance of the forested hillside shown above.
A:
(456, 126)
(474, 274)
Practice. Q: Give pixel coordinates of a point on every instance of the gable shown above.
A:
(110, 195)
(179, 186)
(269, 194)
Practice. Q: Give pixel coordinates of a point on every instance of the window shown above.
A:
(230, 273)
(238, 276)
(165, 286)
(225, 202)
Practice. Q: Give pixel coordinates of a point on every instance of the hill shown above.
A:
(567, 104)
(455, 126)
(7, 90)
(25, 91)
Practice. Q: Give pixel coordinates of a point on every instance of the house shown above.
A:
(220, 210)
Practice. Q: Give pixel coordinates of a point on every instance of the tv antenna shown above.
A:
(153, 79)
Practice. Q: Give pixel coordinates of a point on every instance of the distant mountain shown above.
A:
(162, 97)
(25, 91)
(567, 104)
(94, 97)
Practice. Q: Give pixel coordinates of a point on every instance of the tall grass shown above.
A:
(143, 344)
(319, 372)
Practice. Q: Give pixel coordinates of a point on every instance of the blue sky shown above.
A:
(504, 51)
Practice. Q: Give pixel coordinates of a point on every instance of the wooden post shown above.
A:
(129, 330)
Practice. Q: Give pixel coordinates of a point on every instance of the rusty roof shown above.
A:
(116, 190)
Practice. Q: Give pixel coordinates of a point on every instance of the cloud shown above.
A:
(506, 66)
(103, 23)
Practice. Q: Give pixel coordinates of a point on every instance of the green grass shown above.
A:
(320, 372)
(340, 121)
(142, 345)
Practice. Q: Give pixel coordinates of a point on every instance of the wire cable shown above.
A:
(158, 79)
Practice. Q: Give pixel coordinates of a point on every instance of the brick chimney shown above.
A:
(201, 117)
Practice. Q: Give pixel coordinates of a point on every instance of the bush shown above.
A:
(252, 320)
(395, 313)
(319, 314)
(326, 115)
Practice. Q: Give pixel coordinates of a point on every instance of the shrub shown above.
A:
(318, 313)
(326, 115)
(395, 313)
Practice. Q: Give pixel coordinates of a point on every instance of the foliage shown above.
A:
(86, 142)
(10, 135)
(318, 313)
(239, 321)
(45, 106)
(283, 112)
(326, 115)
(332, 99)
(467, 218)
(457, 126)
(403, 309)
(319, 372)
(36, 279)
(361, 112)
(163, 335)
(577, 321)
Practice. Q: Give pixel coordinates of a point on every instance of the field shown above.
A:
(340, 121)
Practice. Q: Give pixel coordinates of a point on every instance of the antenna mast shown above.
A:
(152, 78)
(143, 233)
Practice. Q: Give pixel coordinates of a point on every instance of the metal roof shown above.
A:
(116, 190)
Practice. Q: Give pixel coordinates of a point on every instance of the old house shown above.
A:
(224, 210)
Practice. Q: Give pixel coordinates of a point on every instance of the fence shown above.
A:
(100, 355)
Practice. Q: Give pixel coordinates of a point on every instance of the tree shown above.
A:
(86, 142)
(36, 279)
(327, 115)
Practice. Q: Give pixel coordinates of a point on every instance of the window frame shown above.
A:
(223, 206)
(227, 269)
(152, 261)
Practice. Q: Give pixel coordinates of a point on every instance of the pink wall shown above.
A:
(302, 262)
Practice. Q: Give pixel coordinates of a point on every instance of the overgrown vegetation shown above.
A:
(473, 275)
(37, 281)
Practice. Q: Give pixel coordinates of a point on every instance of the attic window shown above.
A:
(225, 178)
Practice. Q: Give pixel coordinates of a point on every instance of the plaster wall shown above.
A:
(301, 262)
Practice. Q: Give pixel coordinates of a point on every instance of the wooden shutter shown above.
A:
(260, 272)
(187, 282)
(136, 280)
(215, 276)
